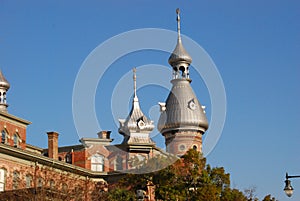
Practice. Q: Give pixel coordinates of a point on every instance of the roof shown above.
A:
(179, 54)
(183, 110)
(14, 118)
(3, 82)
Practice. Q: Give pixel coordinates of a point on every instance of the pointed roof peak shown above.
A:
(3, 82)
(179, 54)
(135, 98)
(136, 121)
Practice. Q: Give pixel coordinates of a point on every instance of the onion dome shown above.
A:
(180, 59)
(136, 127)
(3, 82)
(182, 110)
(179, 54)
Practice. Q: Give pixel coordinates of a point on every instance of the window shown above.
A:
(119, 163)
(28, 181)
(16, 179)
(182, 147)
(64, 187)
(195, 147)
(52, 183)
(4, 98)
(69, 158)
(2, 179)
(3, 137)
(40, 182)
(97, 163)
(16, 140)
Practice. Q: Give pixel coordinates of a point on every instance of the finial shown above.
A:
(178, 23)
(134, 82)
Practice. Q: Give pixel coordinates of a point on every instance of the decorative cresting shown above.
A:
(180, 58)
(136, 127)
(182, 120)
(4, 87)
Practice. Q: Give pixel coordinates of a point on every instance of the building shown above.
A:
(88, 166)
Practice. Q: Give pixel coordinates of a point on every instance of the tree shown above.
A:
(120, 194)
(187, 178)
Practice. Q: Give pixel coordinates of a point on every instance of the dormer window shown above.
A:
(97, 163)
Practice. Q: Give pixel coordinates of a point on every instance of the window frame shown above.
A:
(96, 164)
(3, 175)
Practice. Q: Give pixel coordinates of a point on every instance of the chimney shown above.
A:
(104, 134)
(53, 145)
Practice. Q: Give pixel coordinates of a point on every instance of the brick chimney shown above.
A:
(104, 134)
(53, 145)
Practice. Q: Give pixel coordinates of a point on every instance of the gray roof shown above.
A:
(3, 82)
(134, 120)
(136, 127)
(183, 110)
(179, 54)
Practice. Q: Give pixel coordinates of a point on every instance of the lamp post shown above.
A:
(288, 189)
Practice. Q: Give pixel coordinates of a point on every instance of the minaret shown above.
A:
(183, 120)
(136, 127)
(4, 86)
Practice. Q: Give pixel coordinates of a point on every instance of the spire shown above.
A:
(135, 98)
(4, 87)
(136, 127)
(178, 23)
(180, 58)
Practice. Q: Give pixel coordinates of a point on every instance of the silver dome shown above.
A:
(3, 82)
(179, 54)
(182, 110)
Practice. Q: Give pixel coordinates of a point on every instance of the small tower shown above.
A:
(137, 145)
(4, 86)
(136, 127)
(182, 121)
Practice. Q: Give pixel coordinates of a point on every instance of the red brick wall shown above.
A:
(12, 129)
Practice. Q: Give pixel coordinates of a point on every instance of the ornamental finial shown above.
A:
(178, 22)
(134, 82)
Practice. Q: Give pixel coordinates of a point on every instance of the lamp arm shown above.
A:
(293, 176)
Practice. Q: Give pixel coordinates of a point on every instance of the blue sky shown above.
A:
(254, 44)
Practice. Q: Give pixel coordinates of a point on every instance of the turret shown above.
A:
(183, 120)
(4, 87)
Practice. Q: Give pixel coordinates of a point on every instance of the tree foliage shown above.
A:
(187, 178)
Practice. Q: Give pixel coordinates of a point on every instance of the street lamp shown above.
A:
(288, 189)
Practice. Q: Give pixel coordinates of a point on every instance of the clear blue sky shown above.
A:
(254, 44)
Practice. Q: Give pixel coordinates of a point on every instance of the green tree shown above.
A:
(120, 194)
(187, 179)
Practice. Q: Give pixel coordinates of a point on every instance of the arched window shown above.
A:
(4, 97)
(3, 137)
(69, 158)
(52, 183)
(2, 179)
(28, 180)
(195, 147)
(40, 182)
(64, 187)
(16, 140)
(16, 179)
(97, 163)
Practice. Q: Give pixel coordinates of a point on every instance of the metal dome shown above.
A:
(3, 82)
(179, 55)
(182, 110)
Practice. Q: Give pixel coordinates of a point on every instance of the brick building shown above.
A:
(88, 166)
